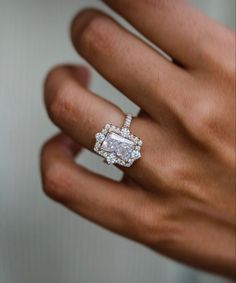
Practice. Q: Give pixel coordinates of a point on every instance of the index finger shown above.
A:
(176, 27)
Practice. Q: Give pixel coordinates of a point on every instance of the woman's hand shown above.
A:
(179, 198)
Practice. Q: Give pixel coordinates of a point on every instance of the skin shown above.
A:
(179, 198)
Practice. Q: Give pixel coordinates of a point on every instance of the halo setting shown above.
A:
(118, 145)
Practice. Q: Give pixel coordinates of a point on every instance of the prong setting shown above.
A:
(118, 145)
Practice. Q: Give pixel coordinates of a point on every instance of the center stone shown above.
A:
(121, 146)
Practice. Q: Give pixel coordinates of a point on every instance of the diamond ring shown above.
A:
(118, 145)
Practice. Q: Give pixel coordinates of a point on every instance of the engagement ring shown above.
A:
(118, 145)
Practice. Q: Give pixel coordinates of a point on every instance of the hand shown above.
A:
(179, 198)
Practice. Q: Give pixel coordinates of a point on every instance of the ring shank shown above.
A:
(128, 120)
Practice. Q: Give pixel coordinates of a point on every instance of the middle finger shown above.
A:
(127, 62)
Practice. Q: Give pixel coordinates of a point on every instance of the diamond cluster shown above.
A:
(118, 145)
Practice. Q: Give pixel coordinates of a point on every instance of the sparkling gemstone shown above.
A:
(100, 137)
(119, 145)
(110, 144)
(125, 131)
(135, 154)
(111, 159)
(124, 151)
(140, 142)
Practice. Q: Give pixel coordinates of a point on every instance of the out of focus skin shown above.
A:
(179, 198)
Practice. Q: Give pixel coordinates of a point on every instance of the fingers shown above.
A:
(81, 114)
(174, 26)
(78, 112)
(128, 63)
(110, 204)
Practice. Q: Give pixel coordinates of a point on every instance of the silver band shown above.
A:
(128, 120)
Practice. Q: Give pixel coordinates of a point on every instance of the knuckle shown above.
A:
(149, 223)
(178, 174)
(56, 182)
(219, 62)
(52, 76)
(205, 120)
(58, 90)
(182, 178)
(156, 228)
(95, 35)
(60, 105)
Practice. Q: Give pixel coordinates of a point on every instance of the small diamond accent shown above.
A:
(100, 137)
(135, 154)
(111, 159)
(140, 143)
(125, 132)
(124, 151)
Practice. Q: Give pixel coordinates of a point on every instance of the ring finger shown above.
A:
(137, 70)
(81, 114)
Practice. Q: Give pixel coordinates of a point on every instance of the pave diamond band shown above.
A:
(128, 120)
(118, 145)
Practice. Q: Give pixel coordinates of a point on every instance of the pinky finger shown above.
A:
(108, 203)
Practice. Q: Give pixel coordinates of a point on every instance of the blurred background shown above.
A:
(40, 241)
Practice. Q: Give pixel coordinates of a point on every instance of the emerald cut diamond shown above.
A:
(118, 145)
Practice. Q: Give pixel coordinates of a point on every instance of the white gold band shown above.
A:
(128, 120)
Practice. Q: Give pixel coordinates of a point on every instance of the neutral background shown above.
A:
(40, 241)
